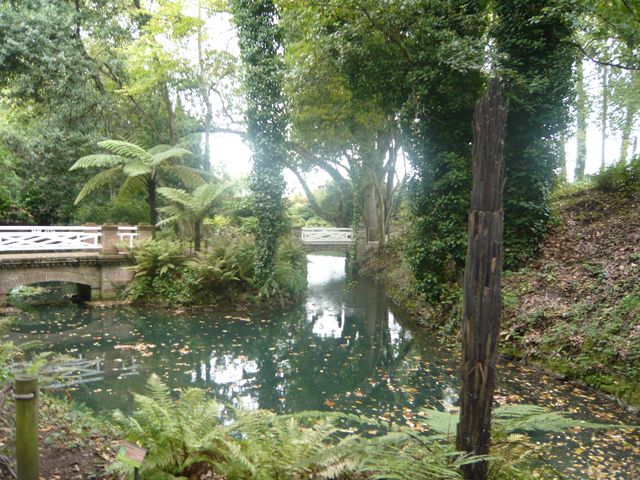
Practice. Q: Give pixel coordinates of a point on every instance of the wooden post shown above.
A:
(482, 282)
(26, 397)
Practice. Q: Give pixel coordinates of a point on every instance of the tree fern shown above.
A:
(132, 161)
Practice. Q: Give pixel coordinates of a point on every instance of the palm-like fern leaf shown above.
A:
(97, 181)
(131, 187)
(125, 149)
(161, 157)
(136, 168)
(190, 177)
(98, 160)
(176, 195)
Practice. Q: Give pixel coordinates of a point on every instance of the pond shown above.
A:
(341, 349)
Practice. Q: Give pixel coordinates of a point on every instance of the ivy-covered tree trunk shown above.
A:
(260, 42)
(535, 40)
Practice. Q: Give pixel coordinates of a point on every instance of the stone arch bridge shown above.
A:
(92, 257)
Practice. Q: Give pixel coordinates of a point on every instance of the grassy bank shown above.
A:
(576, 309)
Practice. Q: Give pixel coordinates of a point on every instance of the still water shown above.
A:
(346, 350)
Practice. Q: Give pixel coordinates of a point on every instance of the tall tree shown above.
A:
(260, 42)
(581, 122)
(143, 170)
(604, 113)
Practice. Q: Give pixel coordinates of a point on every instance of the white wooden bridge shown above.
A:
(325, 239)
(326, 236)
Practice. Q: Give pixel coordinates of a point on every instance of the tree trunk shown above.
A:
(197, 235)
(626, 132)
(563, 157)
(605, 114)
(171, 114)
(482, 282)
(581, 131)
(204, 93)
(371, 212)
(153, 203)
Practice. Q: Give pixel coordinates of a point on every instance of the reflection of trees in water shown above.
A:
(275, 361)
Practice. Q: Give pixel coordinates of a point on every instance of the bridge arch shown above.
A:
(87, 282)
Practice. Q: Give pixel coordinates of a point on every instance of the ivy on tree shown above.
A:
(259, 38)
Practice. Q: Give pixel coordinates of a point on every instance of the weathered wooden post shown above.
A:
(482, 282)
(26, 397)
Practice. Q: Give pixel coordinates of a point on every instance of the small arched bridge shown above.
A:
(318, 239)
(92, 257)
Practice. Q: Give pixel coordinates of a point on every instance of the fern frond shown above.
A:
(97, 181)
(160, 158)
(125, 149)
(97, 160)
(176, 195)
(190, 177)
(136, 168)
(162, 147)
(131, 187)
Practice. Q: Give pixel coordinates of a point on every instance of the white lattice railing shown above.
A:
(127, 235)
(41, 239)
(326, 236)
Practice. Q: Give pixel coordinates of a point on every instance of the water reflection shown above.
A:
(341, 349)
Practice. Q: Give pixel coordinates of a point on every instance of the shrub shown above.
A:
(290, 276)
(620, 177)
(158, 272)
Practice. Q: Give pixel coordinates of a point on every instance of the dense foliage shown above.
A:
(535, 39)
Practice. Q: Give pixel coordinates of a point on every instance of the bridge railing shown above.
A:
(45, 238)
(326, 236)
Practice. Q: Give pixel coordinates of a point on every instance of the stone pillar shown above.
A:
(145, 232)
(110, 239)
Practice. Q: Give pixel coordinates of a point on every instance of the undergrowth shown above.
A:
(195, 435)
(164, 271)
